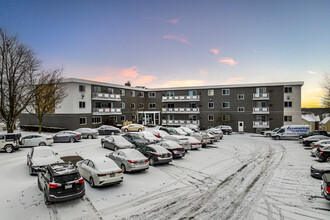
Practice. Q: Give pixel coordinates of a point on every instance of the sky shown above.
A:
(179, 43)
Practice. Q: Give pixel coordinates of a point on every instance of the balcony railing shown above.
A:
(106, 96)
(181, 110)
(106, 111)
(180, 98)
(180, 122)
(261, 110)
(261, 124)
(260, 96)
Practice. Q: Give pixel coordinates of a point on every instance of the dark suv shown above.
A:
(60, 182)
(316, 132)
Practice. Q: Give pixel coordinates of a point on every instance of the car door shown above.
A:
(90, 169)
(117, 158)
(83, 167)
(60, 137)
(35, 140)
(2, 141)
(27, 140)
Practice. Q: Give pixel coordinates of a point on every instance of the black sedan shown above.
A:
(156, 154)
(108, 130)
(325, 187)
(115, 142)
(317, 170)
(176, 150)
(136, 139)
(323, 153)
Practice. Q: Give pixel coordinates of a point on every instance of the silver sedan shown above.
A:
(88, 133)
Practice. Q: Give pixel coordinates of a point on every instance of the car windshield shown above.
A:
(42, 152)
(172, 131)
(137, 137)
(147, 134)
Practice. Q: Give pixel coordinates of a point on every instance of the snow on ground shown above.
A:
(240, 177)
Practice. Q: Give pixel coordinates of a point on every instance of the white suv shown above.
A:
(9, 142)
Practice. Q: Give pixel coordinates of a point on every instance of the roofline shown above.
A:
(85, 81)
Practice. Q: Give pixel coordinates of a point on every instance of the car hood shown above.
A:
(321, 166)
(42, 161)
(125, 145)
(139, 141)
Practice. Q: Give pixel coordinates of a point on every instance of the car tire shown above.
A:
(277, 138)
(9, 149)
(123, 168)
(139, 130)
(328, 159)
(30, 170)
(126, 130)
(89, 136)
(47, 202)
(71, 140)
(151, 162)
(91, 182)
(42, 144)
(267, 135)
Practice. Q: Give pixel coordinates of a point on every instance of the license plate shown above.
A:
(112, 175)
(68, 186)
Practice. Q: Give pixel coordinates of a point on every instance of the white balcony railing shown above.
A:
(261, 124)
(180, 122)
(106, 111)
(106, 96)
(260, 110)
(181, 110)
(180, 98)
(260, 96)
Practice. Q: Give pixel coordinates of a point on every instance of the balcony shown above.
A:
(181, 110)
(106, 96)
(260, 96)
(186, 98)
(180, 122)
(260, 110)
(106, 111)
(261, 124)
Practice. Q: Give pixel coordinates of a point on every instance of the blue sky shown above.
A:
(179, 43)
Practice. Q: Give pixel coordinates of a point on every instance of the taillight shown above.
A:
(49, 139)
(102, 174)
(81, 180)
(53, 185)
(321, 151)
(158, 155)
(316, 145)
(193, 144)
(327, 188)
(132, 161)
(146, 160)
(78, 135)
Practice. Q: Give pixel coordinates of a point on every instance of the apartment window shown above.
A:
(97, 89)
(240, 96)
(261, 90)
(225, 117)
(110, 90)
(211, 104)
(192, 117)
(152, 94)
(225, 92)
(287, 89)
(141, 94)
(113, 118)
(133, 117)
(133, 106)
(122, 105)
(288, 104)
(82, 104)
(97, 120)
(81, 88)
(152, 105)
(210, 92)
(226, 105)
(122, 92)
(122, 118)
(170, 105)
(240, 109)
(192, 105)
(211, 117)
(170, 94)
(133, 93)
(141, 106)
(287, 118)
(83, 120)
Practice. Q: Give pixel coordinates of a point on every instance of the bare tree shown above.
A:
(49, 93)
(325, 84)
(18, 73)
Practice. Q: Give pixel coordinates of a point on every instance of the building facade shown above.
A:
(245, 107)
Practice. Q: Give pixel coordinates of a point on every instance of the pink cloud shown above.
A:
(177, 38)
(215, 51)
(234, 80)
(228, 60)
(145, 80)
(203, 72)
(255, 51)
(130, 73)
(172, 21)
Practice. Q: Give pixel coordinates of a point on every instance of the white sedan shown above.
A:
(36, 140)
(100, 171)
(150, 136)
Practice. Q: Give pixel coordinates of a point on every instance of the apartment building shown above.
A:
(245, 107)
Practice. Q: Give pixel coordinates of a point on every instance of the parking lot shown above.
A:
(242, 176)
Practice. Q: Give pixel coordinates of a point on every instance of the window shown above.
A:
(152, 94)
(113, 118)
(133, 117)
(192, 117)
(133, 106)
(192, 105)
(287, 118)
(240, 96)
(288, 104)
(133, 93)
(122, 92)
(141, 94)
(141, 106)
(81, 88)
(211, 104)
(122, 118)
(287, 89)
(97, 89)
(226, 105)
(96, 120)
(210, 92)
(192, 93)
(261, 90)
(170, 94)
(110, 90)
(240, 109)
(211, 117)
(225, 92)
(225, 117)
(122, 105)
(152, 105)
(83, 120)
(82, 104)
(170, 105)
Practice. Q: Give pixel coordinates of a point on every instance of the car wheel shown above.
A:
(47, 202)
(30, 170)
(9, 148)
(112, 133)
(89, 136)
(91, 182)
(42, 144)
(277, 138)
(126, 130)
(71, 140)
(328, 159)
(226, 132)
(267, 135)
(151, 162)
(139, 130)
(123, 168)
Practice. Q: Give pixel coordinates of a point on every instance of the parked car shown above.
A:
(115, 142)
(156, 154)
(169, 130)
(325, 187)
(181, 132)
(136, 139)
(216, 132)
(308, 141)
(187, 130)
(181, 140)
(108, 130)
(225, 129)
(193, 127)
(150, 136)
(133, 127)
(100, 171)
(194, 143)
(88, 133)
(313, 151)
(67, 136)
(36, 140)
(159, 133)
(269, 133)
(321, 143)
(202, 137)
(9, 142)
(212, 137)
(317, 170)
(172, 146)
(60, 182)
(39, 157)
(323, 153)
(129, 160)
(312, 133)
(291, 132)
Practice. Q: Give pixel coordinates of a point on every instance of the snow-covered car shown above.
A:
(36, 140)
(108, 130)
(212, 137)
(115, 142)
(202, 137)
(159, 133)
(9, 142)
(187, 130)
(67, 136)
(129, 160)
(88, 133)
(269, 133)
(308, 141)
(136, 139)
(325, 186)
(100, 171)
(156, 154)
(181, 132)
(321, 143)
(217, 132)
(181, 140)
(194, 143)
(169, 130)
(313, 151)
(193, 127)
(172, 146)
(133, 127)
(323, 153)
(317, 170)
(225, 129)
(150, 136)
(39, 157)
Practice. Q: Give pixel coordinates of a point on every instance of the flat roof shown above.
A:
(85, 81)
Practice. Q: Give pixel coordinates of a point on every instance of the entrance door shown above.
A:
(240, 126)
